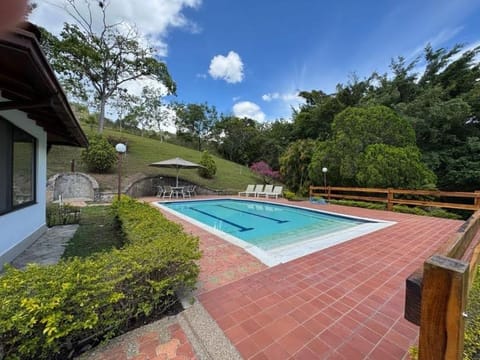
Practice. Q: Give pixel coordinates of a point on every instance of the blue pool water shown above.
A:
(265, 225)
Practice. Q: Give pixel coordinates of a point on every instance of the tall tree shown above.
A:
(294, 164)
(148, 109)
(387, 166)
(353, 130)
(195, 122)
(314, 119)
(274, 139)
(237, 139)
(96, 61)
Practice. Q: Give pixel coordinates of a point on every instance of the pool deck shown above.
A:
(344, 302)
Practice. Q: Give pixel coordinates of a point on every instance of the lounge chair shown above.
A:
(248, 191)
(267, 190)
(277, 191)
(258, 189)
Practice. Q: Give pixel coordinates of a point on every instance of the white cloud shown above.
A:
(153, 18)
(201, 76)
(249, 110)
(236, 98)
(270, 96)
(228, 68)
(287, 97)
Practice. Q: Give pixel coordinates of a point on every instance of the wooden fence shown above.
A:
(436, 294)
(399, 196)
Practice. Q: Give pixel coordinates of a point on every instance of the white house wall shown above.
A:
(21, 227)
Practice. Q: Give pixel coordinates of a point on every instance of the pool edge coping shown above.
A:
(294, 251)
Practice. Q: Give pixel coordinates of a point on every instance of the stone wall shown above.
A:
(81, 186)
(148, 186)
(72, 186)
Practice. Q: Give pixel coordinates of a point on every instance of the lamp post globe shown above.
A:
(120, 149)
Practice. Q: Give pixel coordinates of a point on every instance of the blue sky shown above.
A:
(251, 57)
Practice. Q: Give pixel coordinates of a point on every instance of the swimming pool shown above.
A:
(272, 232)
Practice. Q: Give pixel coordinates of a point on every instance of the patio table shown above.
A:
(178, 191)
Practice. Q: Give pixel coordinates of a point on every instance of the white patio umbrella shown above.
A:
(176, 163)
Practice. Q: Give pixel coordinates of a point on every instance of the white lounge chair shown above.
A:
(248, 191)
(258, 189)
(267, 190)
(277, 191)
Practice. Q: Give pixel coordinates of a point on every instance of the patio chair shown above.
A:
(266, 191)
(167, 192)
(277, 191)
(248, 190)
(190, 190)
(160, 191)
(258, 189)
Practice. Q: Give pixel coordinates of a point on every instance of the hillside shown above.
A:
(143, 151)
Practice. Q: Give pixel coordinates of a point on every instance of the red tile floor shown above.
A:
(345, 302)
(148, 345)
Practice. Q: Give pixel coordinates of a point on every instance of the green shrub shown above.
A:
(289, 195)
(51, 311)
(362, 204)
(435, 212)
(100, 154)
(210, 168)
(57, 214)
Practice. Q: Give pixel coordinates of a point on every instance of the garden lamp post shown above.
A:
(324, 170)
(120, 149)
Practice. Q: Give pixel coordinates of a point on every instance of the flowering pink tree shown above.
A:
(263, 169)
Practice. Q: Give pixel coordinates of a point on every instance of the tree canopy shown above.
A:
(96, 62)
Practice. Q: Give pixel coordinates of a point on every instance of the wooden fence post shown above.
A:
(477, 200)
(444, 296)
(329, 189)
(390, 199)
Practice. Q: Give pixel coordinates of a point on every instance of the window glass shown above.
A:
(23, 167)
(5, 168)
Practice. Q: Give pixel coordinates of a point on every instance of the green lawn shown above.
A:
(142, 151)
(98, 231)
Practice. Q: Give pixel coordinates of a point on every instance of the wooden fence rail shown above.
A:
(391, 196)
(436, 293)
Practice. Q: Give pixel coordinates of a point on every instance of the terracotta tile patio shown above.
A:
(345, 302)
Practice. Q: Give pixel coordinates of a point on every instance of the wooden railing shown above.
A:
(391, 196)
(436, 294)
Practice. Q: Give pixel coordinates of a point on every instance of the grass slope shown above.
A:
(143, 151)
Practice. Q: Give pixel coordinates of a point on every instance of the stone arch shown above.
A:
(72, 185)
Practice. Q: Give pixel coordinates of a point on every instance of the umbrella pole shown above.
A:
(178, 170)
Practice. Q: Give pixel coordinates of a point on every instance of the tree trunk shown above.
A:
(101, 115)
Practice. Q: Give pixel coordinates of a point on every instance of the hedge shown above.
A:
(50, 312)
